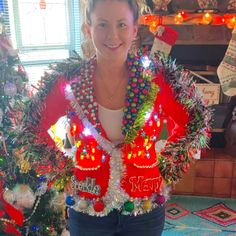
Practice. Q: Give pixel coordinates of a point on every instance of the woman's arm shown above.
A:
(183, 104)
(55, 105)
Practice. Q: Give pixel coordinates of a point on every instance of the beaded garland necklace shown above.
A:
(138, 89)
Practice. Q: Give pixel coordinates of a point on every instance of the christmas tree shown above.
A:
(27, 205)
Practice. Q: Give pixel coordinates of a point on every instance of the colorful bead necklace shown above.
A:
(137, 90)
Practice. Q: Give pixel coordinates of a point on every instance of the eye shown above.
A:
(122, 25)
(102, 24)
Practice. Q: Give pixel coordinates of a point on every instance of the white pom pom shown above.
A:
(82, 204)
(9, 196)
(24, 196)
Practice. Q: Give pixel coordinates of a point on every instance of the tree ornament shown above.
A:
(82, 204)
(24, 165)
(129, 206)
(42, 189)
(98, 206)
(24, 196)
(70, 200)
(147, 204)
(60, 183)
(34, 228)
(10, 89)
(20, 70)
(9, 196)
(160, 199)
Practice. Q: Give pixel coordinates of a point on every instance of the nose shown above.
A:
(112, 33)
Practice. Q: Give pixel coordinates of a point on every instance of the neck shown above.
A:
(113, 69)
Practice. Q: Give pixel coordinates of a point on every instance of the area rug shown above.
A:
(200, 216)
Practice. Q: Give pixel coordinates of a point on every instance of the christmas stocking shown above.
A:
(226, 71)
(164, 39)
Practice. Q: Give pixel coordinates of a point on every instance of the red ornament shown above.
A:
(181, 157)
(62, 164)
(20, 70)
(160, 199)
(186, 167)
(98, 206)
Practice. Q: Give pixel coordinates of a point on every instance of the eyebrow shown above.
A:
(101, 19)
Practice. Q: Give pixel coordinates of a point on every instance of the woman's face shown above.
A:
(112, 29)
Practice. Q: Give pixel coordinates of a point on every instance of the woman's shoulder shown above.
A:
(71, 67)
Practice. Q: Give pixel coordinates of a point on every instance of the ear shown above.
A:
(135, 30)
(86, 29)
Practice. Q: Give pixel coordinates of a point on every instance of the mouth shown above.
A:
(113, 46)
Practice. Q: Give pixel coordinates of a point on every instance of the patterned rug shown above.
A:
(200, 216)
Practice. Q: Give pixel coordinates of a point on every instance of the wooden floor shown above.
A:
(213, 175)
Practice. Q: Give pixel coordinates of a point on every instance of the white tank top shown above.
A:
(111, 121)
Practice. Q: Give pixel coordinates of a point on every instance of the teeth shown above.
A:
(112, 46)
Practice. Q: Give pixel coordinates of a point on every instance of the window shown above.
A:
(45, 35)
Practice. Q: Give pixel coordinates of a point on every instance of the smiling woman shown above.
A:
(122, 168)
(112, 31)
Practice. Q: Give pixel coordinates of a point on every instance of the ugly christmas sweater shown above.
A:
(161, 103)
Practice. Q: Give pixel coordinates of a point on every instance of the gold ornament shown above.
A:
(59, 184)
(24, 165)
(147, 204)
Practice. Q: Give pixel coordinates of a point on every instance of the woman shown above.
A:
(122, 108)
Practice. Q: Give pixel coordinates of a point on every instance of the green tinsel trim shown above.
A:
(140, 120)
(174, 160)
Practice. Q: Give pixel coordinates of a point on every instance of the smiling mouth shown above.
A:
(113, 47)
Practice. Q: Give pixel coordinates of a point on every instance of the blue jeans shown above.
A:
(115, 224)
